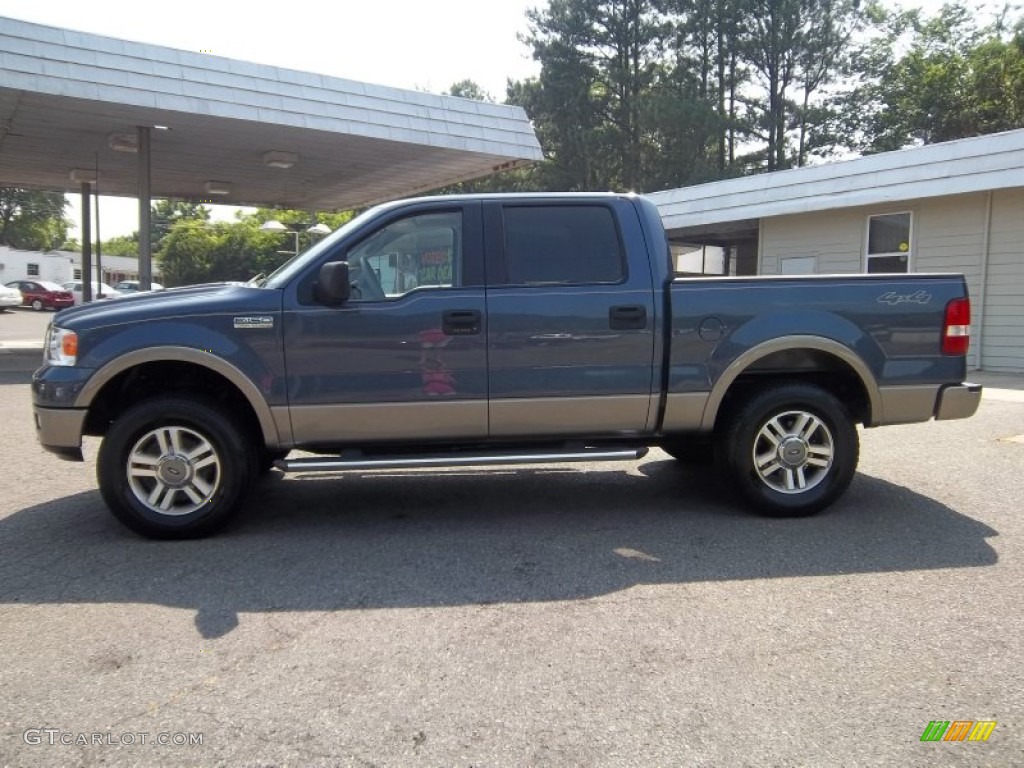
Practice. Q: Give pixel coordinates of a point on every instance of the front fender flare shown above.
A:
(269, 427)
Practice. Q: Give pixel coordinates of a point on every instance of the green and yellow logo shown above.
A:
(958, 730)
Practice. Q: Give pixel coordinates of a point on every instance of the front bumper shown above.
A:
(958, 401)
(59, 430)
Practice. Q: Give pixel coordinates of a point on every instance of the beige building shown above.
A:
(953, 207)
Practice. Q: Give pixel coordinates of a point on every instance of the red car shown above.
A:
(43, 295)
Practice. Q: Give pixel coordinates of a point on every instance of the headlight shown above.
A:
(61, 346)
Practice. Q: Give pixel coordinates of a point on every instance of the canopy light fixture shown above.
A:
(278, 159)
(83, 175)
(124, 142)
(273, 226)
(319, 229)
(218, 188)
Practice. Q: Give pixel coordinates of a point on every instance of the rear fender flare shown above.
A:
(818, 343)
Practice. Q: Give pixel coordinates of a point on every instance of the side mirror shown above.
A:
(332, 283)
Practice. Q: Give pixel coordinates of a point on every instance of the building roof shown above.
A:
(64, 94)
(955, 167)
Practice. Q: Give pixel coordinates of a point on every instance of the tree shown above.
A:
(164, 214)
(956, 79)
(706, 49)
(195, 251)
(122, 245)
(564, 102)
(794, 45)
(469, 89)
(611, 108)
(32, 220)
(199, 252)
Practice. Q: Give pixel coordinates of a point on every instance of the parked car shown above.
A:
(490, 330)
(40, 294)
(9, 297)
(133, 286)
(99, 291)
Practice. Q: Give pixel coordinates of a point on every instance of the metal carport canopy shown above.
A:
(68, 98)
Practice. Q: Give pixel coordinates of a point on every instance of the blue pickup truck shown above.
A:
(487, 330)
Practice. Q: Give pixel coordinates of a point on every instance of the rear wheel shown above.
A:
(174, 468)
(37, 305)
(791, 450)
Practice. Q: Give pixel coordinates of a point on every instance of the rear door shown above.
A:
(405, 357)
(570, 336)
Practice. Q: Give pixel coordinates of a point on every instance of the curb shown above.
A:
(20, 356)
(15, 346)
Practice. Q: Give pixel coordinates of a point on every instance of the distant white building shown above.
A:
(951, 207)
(62, 266)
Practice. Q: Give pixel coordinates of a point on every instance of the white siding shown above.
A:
(949, 235)
(55, 266)
(836, 238)
(1003, 340)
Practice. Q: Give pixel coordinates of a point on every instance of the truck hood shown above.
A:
(211, 298)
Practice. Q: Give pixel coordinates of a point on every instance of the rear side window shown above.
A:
(562, 244)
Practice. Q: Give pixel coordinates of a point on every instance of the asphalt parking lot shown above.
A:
(23, 324)
(607, 614)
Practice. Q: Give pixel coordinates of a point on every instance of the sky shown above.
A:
(419, 44)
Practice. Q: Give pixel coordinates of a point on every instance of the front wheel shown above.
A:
(174, 468)
(791, 449)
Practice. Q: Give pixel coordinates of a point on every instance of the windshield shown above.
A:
(283, 274)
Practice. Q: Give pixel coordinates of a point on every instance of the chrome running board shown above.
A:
(455, 459)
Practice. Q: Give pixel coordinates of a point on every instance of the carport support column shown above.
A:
(86, 241)
(145, 247)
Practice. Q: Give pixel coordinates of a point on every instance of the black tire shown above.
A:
(37, 305)
(267, 459)
(694, 450)
(820, 453)
(174, 438)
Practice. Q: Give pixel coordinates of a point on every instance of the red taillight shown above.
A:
(956, 329)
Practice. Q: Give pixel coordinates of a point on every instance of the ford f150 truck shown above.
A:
(495, 329)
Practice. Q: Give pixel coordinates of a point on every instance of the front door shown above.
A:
(405, 358)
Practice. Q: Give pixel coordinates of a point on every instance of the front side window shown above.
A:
(562, 245)
(423, 251)
(33, 270)
(889, 243)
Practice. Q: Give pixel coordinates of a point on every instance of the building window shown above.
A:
(33, 270)
(77, 274)
(700, 259)
(889, 243)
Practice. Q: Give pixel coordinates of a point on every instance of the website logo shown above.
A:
(958, 730)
